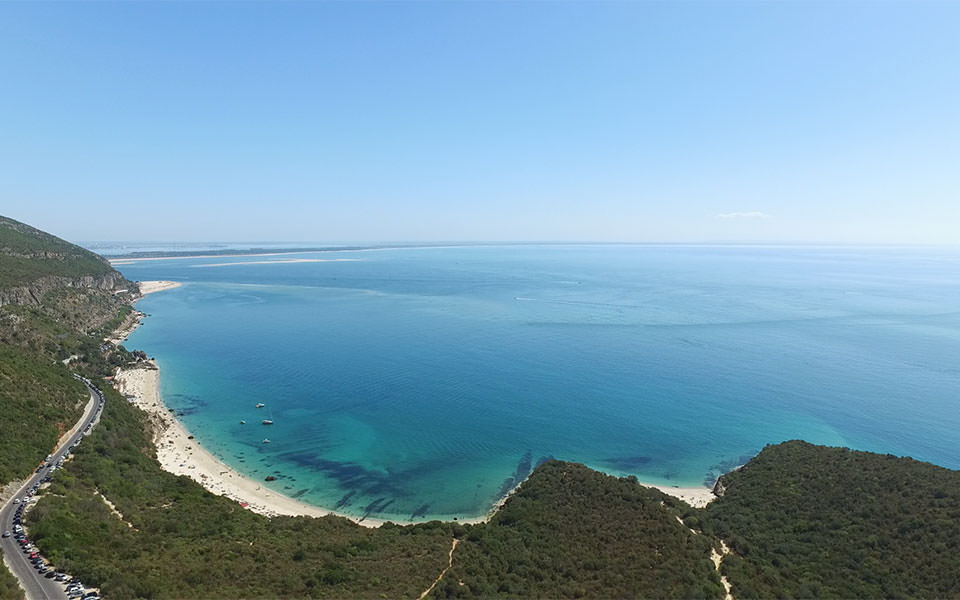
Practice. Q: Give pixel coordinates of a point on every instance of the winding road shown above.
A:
(36, 586)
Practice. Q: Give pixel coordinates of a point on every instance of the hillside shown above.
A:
(571, 532)
(56, 299)
(807, 521)
(28, 255)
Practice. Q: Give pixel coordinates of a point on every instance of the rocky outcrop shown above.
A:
(720, 487)
(33, 294)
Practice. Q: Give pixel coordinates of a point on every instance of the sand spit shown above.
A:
(150, 287)
(277, 262)
(130, 261)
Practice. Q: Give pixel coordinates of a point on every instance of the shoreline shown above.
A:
(133, 320)
(179, 454)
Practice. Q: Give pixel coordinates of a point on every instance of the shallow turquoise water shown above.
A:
(418, 383)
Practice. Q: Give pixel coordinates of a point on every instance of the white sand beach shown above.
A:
(151, 287)
(694, 496)
(181, 455)
(277, 262)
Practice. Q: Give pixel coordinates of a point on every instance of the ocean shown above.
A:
(418, 383)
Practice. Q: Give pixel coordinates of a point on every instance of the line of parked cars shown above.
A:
(74, 588)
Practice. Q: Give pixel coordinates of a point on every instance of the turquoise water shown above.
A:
(421, 383)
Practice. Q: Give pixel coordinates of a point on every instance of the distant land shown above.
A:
(280, 248)
(122, 250)
(797, 521)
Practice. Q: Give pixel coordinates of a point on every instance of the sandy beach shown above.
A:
(183, 456)
(151, 287)
(180, 455)
(694, 496)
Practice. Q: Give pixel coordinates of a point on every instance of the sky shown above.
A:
(783, 122)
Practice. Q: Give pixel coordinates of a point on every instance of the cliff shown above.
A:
(34, 263)
(33, 293)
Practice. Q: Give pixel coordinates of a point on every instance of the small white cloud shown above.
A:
(756, 214)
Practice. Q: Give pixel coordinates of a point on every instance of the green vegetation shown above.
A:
(42, 323)
(808, 521)
(27, 254)
(40, 401)
(9, 588)
(185, 542)
(570, 532)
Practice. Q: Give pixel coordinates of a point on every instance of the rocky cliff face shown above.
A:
(33, 293)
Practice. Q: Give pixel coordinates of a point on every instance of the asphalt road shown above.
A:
(36, 585)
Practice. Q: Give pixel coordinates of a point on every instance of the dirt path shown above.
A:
(442, 573)
(717, 559)
(116, 512)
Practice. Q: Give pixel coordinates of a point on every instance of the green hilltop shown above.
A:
(28, 254)
(798, 521)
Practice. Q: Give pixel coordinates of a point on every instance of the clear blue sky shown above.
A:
(624, 121)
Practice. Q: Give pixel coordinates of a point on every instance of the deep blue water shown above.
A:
(416, 383)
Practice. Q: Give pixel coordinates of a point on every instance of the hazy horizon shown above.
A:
(307, 245)
(695, 122)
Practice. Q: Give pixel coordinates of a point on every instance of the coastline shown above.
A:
(177, 453)
(180, 454)
(133, 319)
(697, 497)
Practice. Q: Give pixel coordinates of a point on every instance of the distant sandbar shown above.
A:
(150, 287)
(278, 262)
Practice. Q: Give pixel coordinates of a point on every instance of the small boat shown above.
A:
(242, 422)
(267, 422)
(260, 405)
(266, 441)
